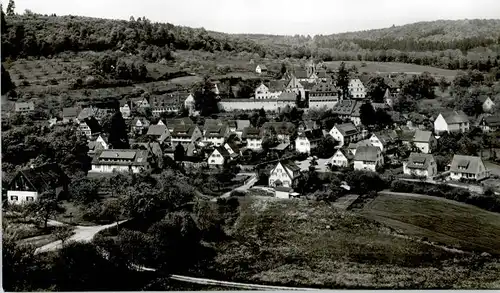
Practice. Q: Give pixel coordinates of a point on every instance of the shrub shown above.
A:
(401, 186)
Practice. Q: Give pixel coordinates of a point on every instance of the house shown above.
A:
(141, 102)
(301, 74)
(170, 103)
(70, 114)
(345, 133)
(253, 138)
(385, 140)
(356, 89)
(323, 95)
(90, 126)
(353, 146)
(185, 134)
(285, 174)
(24, 107)
(308, 140)
(368, 158)
(100, 143)
(389, 98)
(87, 112)
(307, 125)
(28, 184)
(286, 99)
(489, 123)
(487, 103)
(219, 157)
(294, 86)
(172, 123)
(107, 161)
(468, 167)
(189, 103)
(420, 165)
(233, 150)
(454, 121)
(424, 141)
(237, 126)
(158, 132)
(264, 92)
(341, 158)
(283, 130)
(125, 108)
(139, 125)
(261, 68)
(216, 134)
(345, 109)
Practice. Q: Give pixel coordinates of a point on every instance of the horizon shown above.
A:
(278, 17)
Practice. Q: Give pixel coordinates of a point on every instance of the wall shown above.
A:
(302, 145)
(268, 105)
(22, 196)
(359, 165)
(319, 104)
(423, 147)
(282, 194)
(109, 168)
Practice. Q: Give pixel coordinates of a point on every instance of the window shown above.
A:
(30, 198)
(212, 161)
(14, 198)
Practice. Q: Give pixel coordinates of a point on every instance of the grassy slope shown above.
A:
(288, 243)
(393, 67)
(459, 225)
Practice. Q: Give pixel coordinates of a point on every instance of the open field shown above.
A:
(300, 243)
(393, 67)
(439, 220)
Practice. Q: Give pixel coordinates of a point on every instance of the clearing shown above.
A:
(447, 222)
(300, 243)
(393, 67)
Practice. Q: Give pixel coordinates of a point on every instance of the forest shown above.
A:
(461, 44)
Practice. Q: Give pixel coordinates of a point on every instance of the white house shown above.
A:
(368, 158)
(264, 92)
(185, 134)
(489, 123)
(28, 184)
(125, 109)
(468, 167)
(98, 144)
(383, 140)
(424, 141)
(308, 140)
(285, 174)
(215, 134)
(345, 133)
(253, 137)
(261, 68)
(356, 89)
(237, 126)
(341, 158)
(158, 132)
(420, 165)
(107, 161)
(89, 126)
(219, 157)
(454, 121)
(488, 104)
(189, 103)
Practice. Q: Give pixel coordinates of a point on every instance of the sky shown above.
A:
(308, 17)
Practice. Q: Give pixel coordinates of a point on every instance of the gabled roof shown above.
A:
(262, 67)
(419, 161)
(300, 73)
(86, 113)
(345, 153)
(127, 157)
(386, 137)
(183, 130)
(286, 128)
(157, 130)
(324, 87)
(492, 121)
(455, 117)
(223, 152)
(347, 129)
(366, 153)
(290, 166)
(171, 123)
(144, 121)
(251, 132)
(71, 112)
(294, 83)
(93, 124)
(466, 164)
(422, 136)
(276, 85)
(162, 101)
(216, 130)
(483, 99)
(42, 178)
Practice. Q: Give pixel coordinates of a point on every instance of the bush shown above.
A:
(401, 186)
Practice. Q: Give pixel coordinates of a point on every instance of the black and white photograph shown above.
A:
(250, 145)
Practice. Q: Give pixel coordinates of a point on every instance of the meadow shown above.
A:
(393, 67)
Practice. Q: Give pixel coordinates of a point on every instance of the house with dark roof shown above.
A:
(341, 158)
(261, 68)
(345, 133)
(301, 74)
(353, 146)
(139, 125)
(284, 174)
(28, 184)
(295, 86)
(420, 165)
(120, 160)
(253, 137)
(468, 167)
(368, 158)
(168, 103)
(24, 107)
(357, 89)
(172, 123)
(90, 126)
(487, 103)
(424, 140)
(453, 121)
(99, 143)
(158, 132)
(385, 140)
(70, 114)
(215, 134)
(345, 108)
(489, 123)
(308, 140)
(219, 157)
(237, 126)
(185, 134)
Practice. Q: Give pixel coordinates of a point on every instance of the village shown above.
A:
(286, 147)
